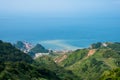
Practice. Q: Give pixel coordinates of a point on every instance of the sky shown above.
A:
(55, 11)
(59, 20)
(59, 8)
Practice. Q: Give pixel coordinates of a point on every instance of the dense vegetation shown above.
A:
(115, 46)
(99, 62)
(74, 57)
(20, 45)
(16, 65)
(10, 53)
(91, 67)
(96, 45)
(24, 71)
(111, 75)
(48, 63)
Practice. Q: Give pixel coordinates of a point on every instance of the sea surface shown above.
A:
(60, 33)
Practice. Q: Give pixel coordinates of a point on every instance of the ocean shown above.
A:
(60, 33)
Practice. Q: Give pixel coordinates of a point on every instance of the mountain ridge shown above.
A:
(102, 59)
(29, 48)
(94, 62)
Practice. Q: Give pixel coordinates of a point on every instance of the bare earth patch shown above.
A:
(60, 59)
(91, 52)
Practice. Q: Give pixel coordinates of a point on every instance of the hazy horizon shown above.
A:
(63, 23)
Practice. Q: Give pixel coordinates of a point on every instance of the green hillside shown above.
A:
(24, 71)
(89, 64)
(101, 61)
(37, 49)
(16, 65)
(48, 63)
(10, 53)
(111, 75)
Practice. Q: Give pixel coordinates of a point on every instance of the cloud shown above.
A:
(60, 44)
